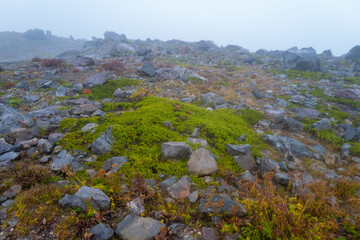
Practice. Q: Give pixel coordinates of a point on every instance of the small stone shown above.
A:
(168, 125)
(193, 196)
(45, 159)
(136, 206)
(97, 198)
(91, 172)
(282, 179)
(330, 159)
(209, 233)
(235, 150)
(72, 201)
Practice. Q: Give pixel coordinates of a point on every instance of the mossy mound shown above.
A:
(139, 134)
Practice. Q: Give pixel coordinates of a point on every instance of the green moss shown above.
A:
(139, 134)
(294, 74)
(352, 80)
(355, 149)
(251, 116)
(109, 107)
(107, 89)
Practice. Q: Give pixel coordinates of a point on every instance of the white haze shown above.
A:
(253, 24)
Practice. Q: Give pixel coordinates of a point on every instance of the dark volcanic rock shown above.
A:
(148, 69)
(164, 74)
(101, 232)
(288, 124)
(72, 201)
(265, 165)
(309, 113)
(302, 60)
(351, 94)
(82, 61)
(175, 150)
(222, 203)
(104, 143)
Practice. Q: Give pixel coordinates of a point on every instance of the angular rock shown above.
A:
(175, 150)
(235, 150)
(201, 163)
(330, 159)
(97, 198)
(209, 233)
(119, 93)
(31, 98)
(353, 54)
(193, 196)
(181, 189)
(148, 69)
(9, 156)
(114, 163)
(21, 133)
(265, 165)
(83, 109)
(89, 127)
(138, 228)
(97, 79)
(246, 162)
(309, 113)
(258, 94)
(322, 124)
(222, 203)
(12, 191)
(168, 182)
(164, 74)
(64, 160)
(103, 144)
(288, 124)
(200, 141)
(347, 132)
(351, 94)
(101, 232)
(286, 144)
(61, 92)
(72, 201)
(168, 125)
(212, 97)
(136, 206)
(301, 60)
(82, 61)
(282, 179)
(45, 146)
(5, 147)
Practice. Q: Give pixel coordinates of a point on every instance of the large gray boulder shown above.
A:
(353, 54)
(82, 61)
(101, 232)
(287, 124)
(148, 69)
(138, 228)
(322, 124)
(301, 60)
(64, 160)
(291, 145)
(265, 165)
(11, 118)
(97, 79)
(97, 198)
(83, 109)
(104, 143)
(113, 36)
(351, 94)
(175, 150)
(164, 74)
(212, 97)
(201, 163)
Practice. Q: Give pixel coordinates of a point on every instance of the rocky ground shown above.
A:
(132, 139)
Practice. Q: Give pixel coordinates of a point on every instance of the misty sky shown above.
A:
(253, 24)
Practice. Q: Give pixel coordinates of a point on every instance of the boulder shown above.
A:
(113, 36)
(11, 118)
(265, 165)
(322, 124)
(282, 179)
(309, 113)
(353, 54)
(201, 163)
(246, 162)
(86, 109)
(301, 60)
(21, 133)
(164, 74)
(235, 150)
(61, 91)
(97, 79)
(147, 69)
(356, 67)
(97, 198)
(104, 143)
(63, 160)
(175, 150)
(291, 145)
(8, 157)
(138, 228)
(212, 97)
(31, 98)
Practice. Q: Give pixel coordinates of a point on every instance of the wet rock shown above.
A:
(227, 206)
(97, 79)
(113, 164)
(138, 228)
(322, 124)
(72, 201)
(175, 150)
(287, 124)
(181, 189)
(9, 156)
(97, 198)
(101, 232)
(282, 179)
(201, 163)
(286, 144)
(103, 144)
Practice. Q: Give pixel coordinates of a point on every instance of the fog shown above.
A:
(253, 24)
